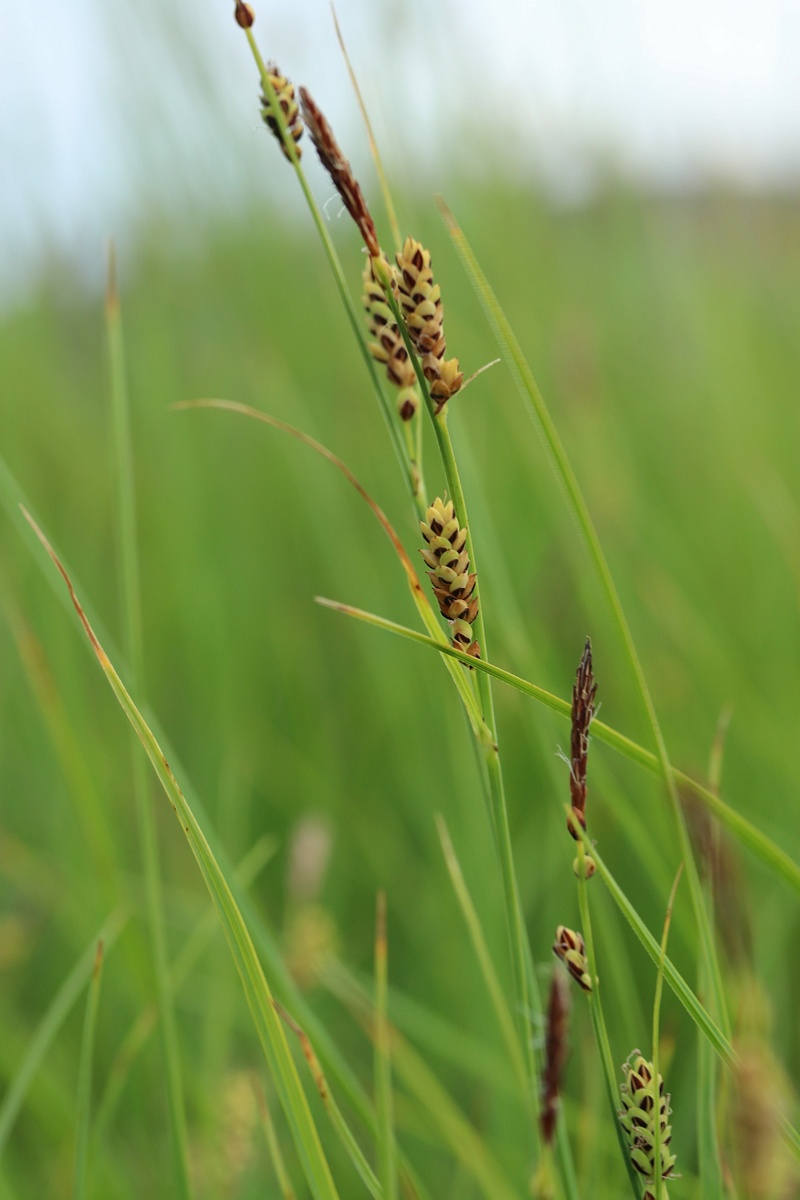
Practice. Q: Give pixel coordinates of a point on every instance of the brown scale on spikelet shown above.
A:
(645, 1107)
(340, 171)
(284, 91)
(570, 948)
(453, 584)
(388, 346)
(421, 301)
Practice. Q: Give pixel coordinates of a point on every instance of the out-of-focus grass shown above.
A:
(665, 337)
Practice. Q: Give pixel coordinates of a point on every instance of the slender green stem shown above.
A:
(130, 597)
(84, 1102)
(545, 425)
(656, 1038)
(598, 1019)
(387, 1165)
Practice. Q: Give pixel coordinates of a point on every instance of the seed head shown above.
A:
(453, 584)
(340, 171)
(244, 15)
(284, 92)
(421, 302)
(583, 706)
(570, 948)
(388, 346)
(645, 1108)
(555, 1054)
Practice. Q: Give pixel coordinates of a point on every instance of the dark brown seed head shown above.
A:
(453, 583)
(244, 14)
(583, 706)
(555, 1054)
(340, 171)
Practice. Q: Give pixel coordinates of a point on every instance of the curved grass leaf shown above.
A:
(259, 998)
(752, 838)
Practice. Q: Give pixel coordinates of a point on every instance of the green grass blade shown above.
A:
(14, 503)
(273, 1145)
(562, 467)
(657, 1028)
(51, 1023)
(84, 1104)
(187, 958)
(383, 1063)
(340, 1125)
(442, 1112)
(130, 603)
(504, 1019)
(752, 838)
(255, 986)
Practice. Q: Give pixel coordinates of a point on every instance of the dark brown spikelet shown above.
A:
(555, 1054)
(421, 301)
(569, 947)
(339, 170)
(583, 706)
(244, 15)
(453, 584)
(388, 346)
(285, 94)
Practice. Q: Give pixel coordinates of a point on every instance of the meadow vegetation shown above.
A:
(321, 756)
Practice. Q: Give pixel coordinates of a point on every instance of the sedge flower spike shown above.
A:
(453, 583)
(388, 346)
(284, 92)
(645, 1108)
(570, 948)
(421, 302)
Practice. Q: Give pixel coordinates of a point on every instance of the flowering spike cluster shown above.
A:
(453, 585)
(388, 346)
(583, 706)
(340, 171)
(570, 948)
(644, 1104)
(284, 91)
(421, 301)
(555, 1054)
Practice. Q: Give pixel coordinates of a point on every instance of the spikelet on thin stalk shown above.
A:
(453, 584)
(285, 94)
(340, 171)
(644, 1104)
(555, 1054)
(388, 346)
(570, 948)
(421, 302)
(584, 693)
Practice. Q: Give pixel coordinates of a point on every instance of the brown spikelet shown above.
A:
(388, 346)
(285, 94)
(244, 15)
(421, 302)
(555, 1054)
(569, 947)
(583, 706)
(339, 170)
(453, 584)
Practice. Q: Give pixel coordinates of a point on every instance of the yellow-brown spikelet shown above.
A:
(453, 584)
(284, 91)
(340, 171)
(388, 346)
(421, 301)
(644, 1106)
(570, 948)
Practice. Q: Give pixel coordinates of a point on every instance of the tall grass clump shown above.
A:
(407, 1032)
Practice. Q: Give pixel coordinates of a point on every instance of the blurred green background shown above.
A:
(663, 330)
(664, 335)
